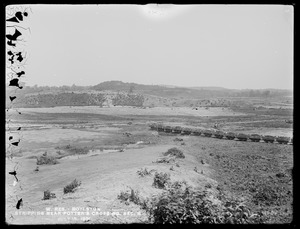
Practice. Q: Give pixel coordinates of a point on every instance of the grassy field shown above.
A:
(104, 148)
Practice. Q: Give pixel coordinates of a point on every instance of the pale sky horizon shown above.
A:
(230, 46)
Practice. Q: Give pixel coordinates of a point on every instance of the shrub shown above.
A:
(174, 152)
(144, 172)
(165, 160)
(182, 205)
(47, 160)
(161, 180)
(145, 204)
(131, 195)
(72, 186)
(208, 185)
(265, 195)
(176, 185)
(233, 213)
(280, 175)
(124, 196)
(48, 195)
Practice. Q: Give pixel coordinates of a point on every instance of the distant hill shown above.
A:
(187, 92)
(118, 93)
(162, 91)
(212, 88)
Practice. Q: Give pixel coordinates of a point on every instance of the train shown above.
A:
(220, 134)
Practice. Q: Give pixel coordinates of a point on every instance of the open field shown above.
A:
(105, 147)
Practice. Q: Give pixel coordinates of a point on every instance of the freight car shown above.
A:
(255, 137)
(268, 138)
(219, 134)
(242, 137)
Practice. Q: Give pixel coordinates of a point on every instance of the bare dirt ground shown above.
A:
(158, 111)
(118, 143)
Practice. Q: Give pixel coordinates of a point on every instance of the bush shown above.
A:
(265, 195)
(144, 172)
(235, 212)
(181, 204)
(131, 195)
(72, 186)
(161, 180)
(46, 160)
(208, 185)
(174, 152)
(165, 160)
(59, 152)
(124, 197)
(176, 185)
(48, 195)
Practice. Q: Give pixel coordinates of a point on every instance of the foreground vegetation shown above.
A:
(181, 204)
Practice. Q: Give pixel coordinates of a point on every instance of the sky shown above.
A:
(231, 46)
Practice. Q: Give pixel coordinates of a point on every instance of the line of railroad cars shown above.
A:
(219, 134)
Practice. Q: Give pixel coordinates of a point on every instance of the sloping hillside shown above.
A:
(161, 91)
(59, 99)
(78, 99)
(117, 93)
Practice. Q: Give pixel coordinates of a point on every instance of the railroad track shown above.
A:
(221, 134)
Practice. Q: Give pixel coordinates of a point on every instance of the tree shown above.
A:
(131, 89)
(266, 93)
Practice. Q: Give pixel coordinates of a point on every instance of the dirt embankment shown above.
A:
(79, 99)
